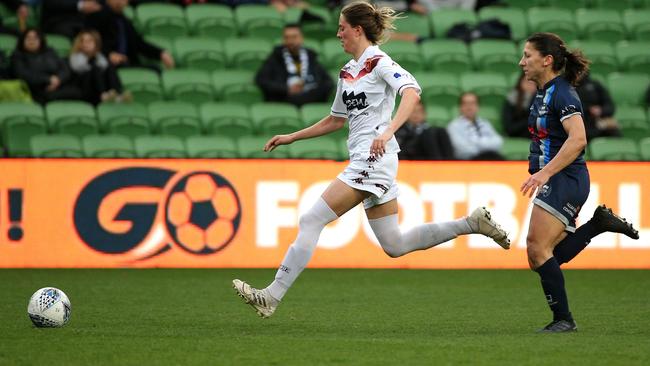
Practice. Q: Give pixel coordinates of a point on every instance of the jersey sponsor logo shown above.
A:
(568, 110)
(355, 101)
(543, 109)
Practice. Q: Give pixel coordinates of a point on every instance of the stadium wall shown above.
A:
(244, 213)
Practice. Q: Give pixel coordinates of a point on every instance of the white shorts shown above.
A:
(374, 175)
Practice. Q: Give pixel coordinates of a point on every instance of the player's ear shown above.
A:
(548, 60)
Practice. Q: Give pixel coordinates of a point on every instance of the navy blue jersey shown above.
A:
(553, 104)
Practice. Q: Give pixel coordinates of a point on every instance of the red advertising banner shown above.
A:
(244, 213)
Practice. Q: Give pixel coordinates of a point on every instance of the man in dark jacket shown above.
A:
(292, 72)
(120, 41)
(599, 109)
(66, 17)
(419, 141)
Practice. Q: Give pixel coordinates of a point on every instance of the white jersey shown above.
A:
(365, 95)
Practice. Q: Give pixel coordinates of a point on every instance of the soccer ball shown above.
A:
(49, 307)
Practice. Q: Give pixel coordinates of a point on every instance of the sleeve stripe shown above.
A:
(399, 91)
(569, 115)
(339, 113)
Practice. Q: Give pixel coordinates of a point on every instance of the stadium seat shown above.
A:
(634, 56)
(515, 148)
(493, 55)
(628, 88)
(446, 55)
(71, 117)
(559, 21)
(315, 29)
(211, 20)
(7, 45)
(406, 54)
(618, 5)
(251, 147)
(236, 86)
(644, 149)
(637, 23)
(414, 23)
(175, 118)
(19, 111)
(130, 120)
(159, 147)
(444, 19)
(439, 88)
(143, 83)
(56, 146)
(437, 115)
(163, 42)
(613, 149)
(217, 147)
(314, 112)
(602, 55)
(260, 21)
(247, 53)
(520, 4)
(200, 53)
(490, 87)
(564, 4)
(167, 20)
(314, 45)
(319, 148)
(514, 17)
(226, 119)
(192, 86)
(633, 122)
(107, 146)
(333, 57)
(275, 118)
(17, 133)
(61, 44)
(600, 24)
(492, 114)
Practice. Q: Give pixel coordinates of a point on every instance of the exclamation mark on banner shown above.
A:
(15, 232)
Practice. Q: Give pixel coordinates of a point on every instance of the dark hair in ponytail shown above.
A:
(574, 63)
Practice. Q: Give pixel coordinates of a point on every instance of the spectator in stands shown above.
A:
(419, 141)
(515, 111)
(472, 137)
(96, 77)
(292, 72)
(599, 109)
(22, 12)
(120, 41)
(66, 17)
(47, 75)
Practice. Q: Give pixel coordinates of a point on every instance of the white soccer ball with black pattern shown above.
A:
(49, 307)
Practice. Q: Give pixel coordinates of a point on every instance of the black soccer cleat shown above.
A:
(560, 326)
(607, 220)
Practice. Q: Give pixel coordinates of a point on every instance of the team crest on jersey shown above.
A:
(368, 66)
(355, 101)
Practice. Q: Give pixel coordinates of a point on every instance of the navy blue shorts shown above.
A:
(564, 194)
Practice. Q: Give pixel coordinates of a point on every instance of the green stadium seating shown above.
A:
(628, 88)
(107, 146)
(192, 86)
(406, 54)
(261, 21)
(158, 19)
(515, 148)
(493, 55)
(633, 122)
(602, 55)
(600, 24)
(637, 23)
(72, 117)
(634, 56)
(19, 111)
(520, 4)
(200, 53)
(211, 20)
(444, 19)
(251, 147)
(439, 88)
(129, 120)
(644, 149)
(564, 4)
(493, 115)
(333, 57)
(414, 23)
(319, 148)
(613, 149)
(275, 118)
(59, 43)
(17, 134)
(514, 17)
(559, 21)
(56, 146)
(226, 119)
(175, 118)
(159, 147)
(314, 45)
(618, 5)
(437, 115)
(319, 30)
(217, 147)
(7, 45)
(236, 86)
(490, 87)
(247, 53)
(143, 83)
(314, 112)
(446, 55)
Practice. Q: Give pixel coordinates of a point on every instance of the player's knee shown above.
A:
(536, 252)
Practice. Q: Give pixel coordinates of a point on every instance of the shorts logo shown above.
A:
(544, 191)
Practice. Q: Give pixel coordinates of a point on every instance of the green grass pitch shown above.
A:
(330, 317)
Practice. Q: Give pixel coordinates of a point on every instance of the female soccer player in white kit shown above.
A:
(365, 97)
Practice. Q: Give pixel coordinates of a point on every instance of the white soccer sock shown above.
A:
(310, 226)
(425, 236)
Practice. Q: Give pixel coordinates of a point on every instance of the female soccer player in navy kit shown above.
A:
(365, 97)
(558, 171)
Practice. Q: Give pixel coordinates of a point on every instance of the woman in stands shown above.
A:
(558, 171)
(46, 74)
(365, 97)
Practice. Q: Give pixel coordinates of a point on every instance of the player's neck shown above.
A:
(361, 47)
(545, 78)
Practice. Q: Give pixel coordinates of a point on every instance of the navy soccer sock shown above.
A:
(553, 285)
(575, 243)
